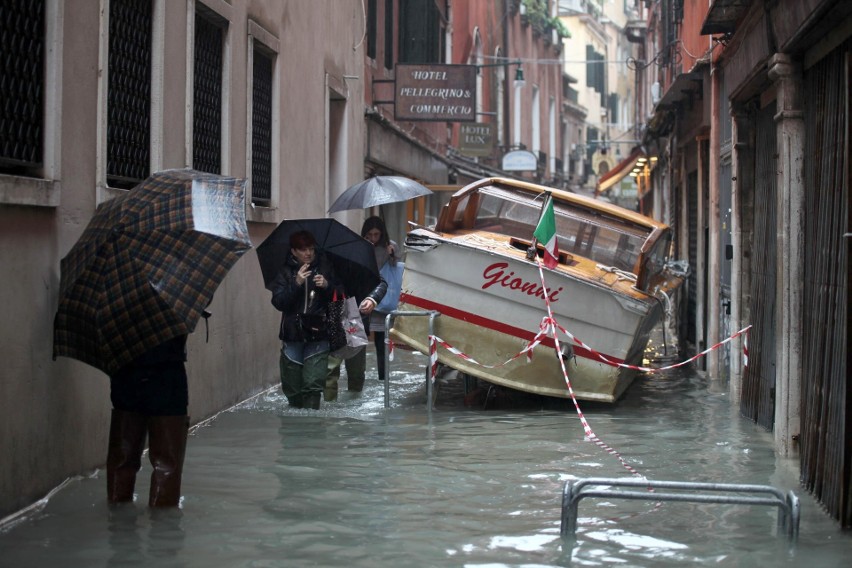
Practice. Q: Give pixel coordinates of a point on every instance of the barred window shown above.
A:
(129, 92)
(261, 138)
(372, 29)
(389, 27)
(22, 86)
(207, 95)
(421, 32)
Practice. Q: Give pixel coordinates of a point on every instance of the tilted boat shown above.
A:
(477, 268)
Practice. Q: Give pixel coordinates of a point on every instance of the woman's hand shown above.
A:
(367, 306)
(303, 274)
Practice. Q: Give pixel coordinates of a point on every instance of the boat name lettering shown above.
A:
(496, 274)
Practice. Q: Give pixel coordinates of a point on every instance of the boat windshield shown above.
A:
(604, 239)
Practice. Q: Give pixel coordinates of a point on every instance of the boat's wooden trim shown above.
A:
(561, 195)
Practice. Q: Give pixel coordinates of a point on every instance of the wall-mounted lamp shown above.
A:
(519, 77)
(519, 73)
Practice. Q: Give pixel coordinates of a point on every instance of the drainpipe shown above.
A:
(448, 35)
(507, 115)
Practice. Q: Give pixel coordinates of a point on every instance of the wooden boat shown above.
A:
(477, 267)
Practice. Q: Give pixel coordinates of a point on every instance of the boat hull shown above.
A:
(492, 302)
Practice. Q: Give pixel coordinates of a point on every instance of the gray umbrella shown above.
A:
(378, 190)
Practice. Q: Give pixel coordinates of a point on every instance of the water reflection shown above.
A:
(357, 485)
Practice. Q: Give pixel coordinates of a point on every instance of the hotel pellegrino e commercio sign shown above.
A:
(435, 92)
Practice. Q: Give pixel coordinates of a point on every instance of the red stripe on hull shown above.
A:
(497, 326)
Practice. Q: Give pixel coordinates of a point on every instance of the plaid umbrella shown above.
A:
(147, 265)
(352, 255)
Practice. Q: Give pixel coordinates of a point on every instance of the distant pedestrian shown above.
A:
(375, 231)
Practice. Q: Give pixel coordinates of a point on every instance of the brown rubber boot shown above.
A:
(166, 450)
(127, 433)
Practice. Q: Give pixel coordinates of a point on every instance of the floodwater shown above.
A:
(358, 485)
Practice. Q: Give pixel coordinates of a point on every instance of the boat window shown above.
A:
(654, 262)
(603, 239)
(506, 216)
(657, 256)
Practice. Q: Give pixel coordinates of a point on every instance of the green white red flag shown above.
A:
(545, 233)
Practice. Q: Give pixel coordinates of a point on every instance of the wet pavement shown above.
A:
(476, 484)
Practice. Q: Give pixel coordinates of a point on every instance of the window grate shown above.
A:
(207, 97)
(261, 139)
(420, 32)
(389, 28)
(21, 84)
(129, 92)
(372, 28)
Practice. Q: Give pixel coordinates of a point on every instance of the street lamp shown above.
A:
(519, 77)
(519, 83)
(519, 73)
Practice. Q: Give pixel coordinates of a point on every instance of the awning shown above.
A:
(684, 85)
(620, 170)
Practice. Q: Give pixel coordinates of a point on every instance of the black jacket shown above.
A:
(170, 351)
(377, 294)
(294, 301)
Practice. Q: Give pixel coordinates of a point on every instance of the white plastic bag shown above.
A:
(353, 326)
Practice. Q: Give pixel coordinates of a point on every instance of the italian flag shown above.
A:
(545, 233)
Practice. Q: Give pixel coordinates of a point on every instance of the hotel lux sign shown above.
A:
(435, 92)
(476, 139)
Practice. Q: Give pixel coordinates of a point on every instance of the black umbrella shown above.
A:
(351, 255)
(147, 265)
(378, 190)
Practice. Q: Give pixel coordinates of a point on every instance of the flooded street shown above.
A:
(358, 485)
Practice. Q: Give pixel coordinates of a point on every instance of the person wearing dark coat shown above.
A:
(356, 366)
(301, 292)
(150, 399)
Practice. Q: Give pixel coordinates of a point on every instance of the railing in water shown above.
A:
(388, 321)
(723, 493)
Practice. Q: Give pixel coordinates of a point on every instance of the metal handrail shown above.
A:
(574, 491)
(388, 321)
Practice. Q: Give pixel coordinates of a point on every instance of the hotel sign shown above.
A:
(476, 139)
(520, 161)
(445, 93)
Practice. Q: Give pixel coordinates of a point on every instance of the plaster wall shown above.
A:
(54, 415)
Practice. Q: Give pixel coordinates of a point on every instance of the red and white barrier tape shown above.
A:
(550, 327)
(548, 324)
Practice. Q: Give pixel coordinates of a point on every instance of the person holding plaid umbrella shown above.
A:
(131, 289)
(149, 396)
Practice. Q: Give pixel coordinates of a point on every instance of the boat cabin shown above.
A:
(610, 236)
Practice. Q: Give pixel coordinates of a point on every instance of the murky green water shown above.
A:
(358, 485)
